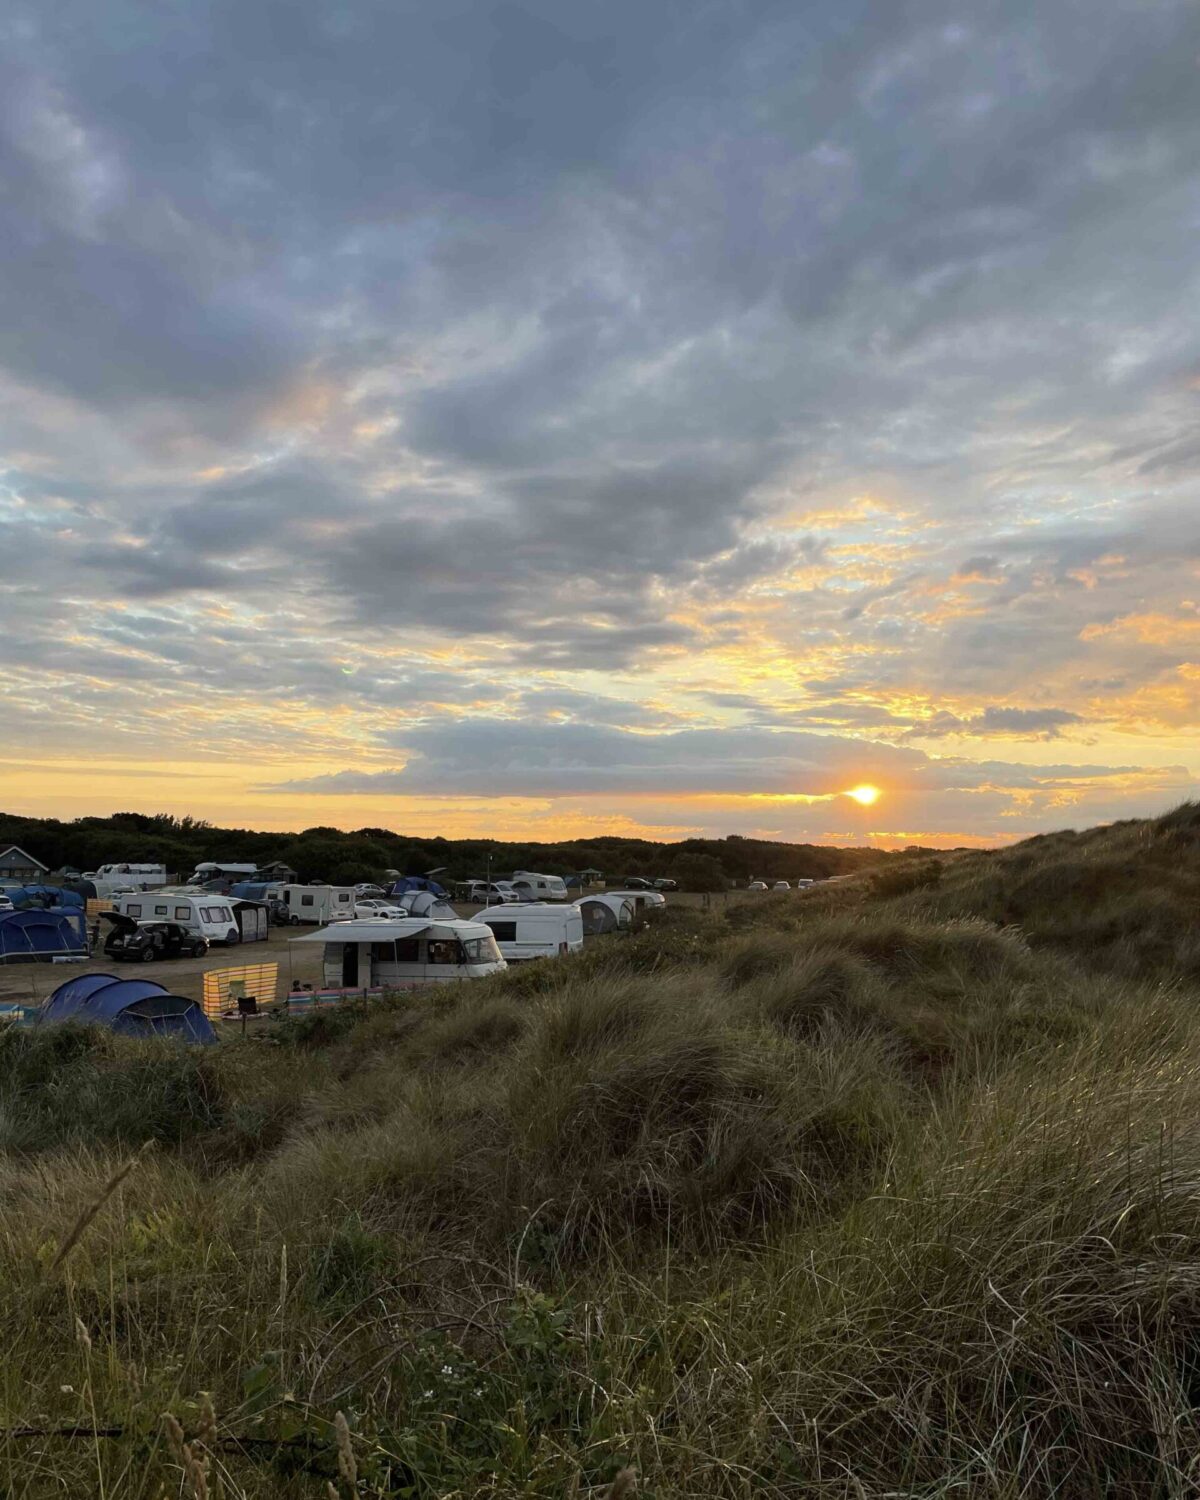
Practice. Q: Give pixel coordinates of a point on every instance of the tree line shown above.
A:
(343, 857)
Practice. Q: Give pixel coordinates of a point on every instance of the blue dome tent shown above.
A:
(33, 933)
(416, 883)
(131, 1007)
(47, 896)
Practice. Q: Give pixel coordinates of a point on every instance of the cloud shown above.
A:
(812, 370)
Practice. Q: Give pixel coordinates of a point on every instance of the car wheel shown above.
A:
(200, 950)
(293, 921)
(147, 955)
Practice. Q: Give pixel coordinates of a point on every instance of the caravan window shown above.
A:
(182, 913)
(221, 914)
(160, 911)
(504, 932)
(133, 909)
(443, 951)
(306, 900)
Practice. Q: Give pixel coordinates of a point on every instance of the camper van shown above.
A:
(402, 953)
(211, 870)
(317, 903)
(205, 916)
(540, 887)
(111, 878)
(534, 929)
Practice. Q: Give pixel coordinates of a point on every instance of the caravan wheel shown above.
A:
(293, 921)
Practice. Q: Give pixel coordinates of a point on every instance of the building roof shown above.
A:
(30, 862)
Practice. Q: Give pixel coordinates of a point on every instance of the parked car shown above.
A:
(781, 885)
(367, 889)
(498, 891)
(757, 885)
(6, 904)
(376, 908)
(638, 883)
(145, 942)
(664, 883)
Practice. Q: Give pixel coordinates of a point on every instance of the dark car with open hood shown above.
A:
(146, 942)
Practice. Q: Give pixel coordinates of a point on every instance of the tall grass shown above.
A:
(880, 1192)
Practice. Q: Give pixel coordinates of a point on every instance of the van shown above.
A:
(206, 916)
(534, 930)
(540, 887)
(317, 903)
(403, 953)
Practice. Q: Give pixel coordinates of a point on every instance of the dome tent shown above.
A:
(33, 932)
(130, 1007)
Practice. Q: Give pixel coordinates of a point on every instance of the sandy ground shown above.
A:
(298, 962)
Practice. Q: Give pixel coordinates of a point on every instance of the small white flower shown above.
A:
(428, 1395)
(447, 1370)
(67, 1390)
(479, 1390)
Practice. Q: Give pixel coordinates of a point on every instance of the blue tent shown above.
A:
(132, 1007)
(33, 933)
(43, 895)
(416, 883)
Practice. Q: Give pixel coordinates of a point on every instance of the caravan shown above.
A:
(401, 953)
(317, 903)
(207, 916)
(534, 930)
(210, 870)
(111, 878)
(535, 887)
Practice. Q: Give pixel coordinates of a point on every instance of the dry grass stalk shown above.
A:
(193, 1464)
(623, 1486)
(90, 1212)
(347, 1467)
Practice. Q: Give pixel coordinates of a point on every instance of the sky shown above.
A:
(550, 418)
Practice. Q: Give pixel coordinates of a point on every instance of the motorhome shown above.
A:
(402, 953)
(111, 878)
(317, 903)
(534, 929)
(205, 916)
(540, 887)
(210, 870)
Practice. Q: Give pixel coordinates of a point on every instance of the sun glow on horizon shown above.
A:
(865, 795)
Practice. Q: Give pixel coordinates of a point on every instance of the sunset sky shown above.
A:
(546, 417)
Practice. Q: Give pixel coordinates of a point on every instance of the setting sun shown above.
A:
(864, 794)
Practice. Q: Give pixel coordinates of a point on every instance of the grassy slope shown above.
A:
(865, 1193)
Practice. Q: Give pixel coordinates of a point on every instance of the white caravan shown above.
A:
(318, 903)
(540, 887)
(402, 953)
(643, 902)
(111, 878)
(534, 929)
(205, 915)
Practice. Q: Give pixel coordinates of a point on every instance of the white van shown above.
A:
(540, 887)
(534, 929)
(318, 903)
(402, 953)
(206, 916)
